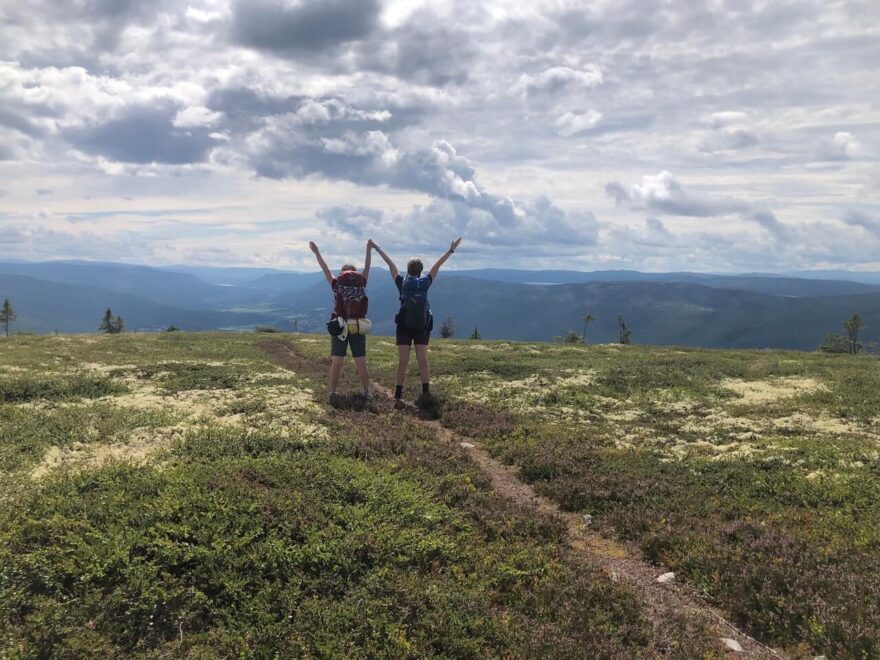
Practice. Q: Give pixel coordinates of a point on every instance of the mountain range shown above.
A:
(793, 311)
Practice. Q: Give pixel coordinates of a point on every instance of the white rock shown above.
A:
(588, 519)
(465, 445)
(732, 644)
(666, 577)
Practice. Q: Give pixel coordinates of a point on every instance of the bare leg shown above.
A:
(424, 368)
(361, 364)
(335, 372)
(402, 362)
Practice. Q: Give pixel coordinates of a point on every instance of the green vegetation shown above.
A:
(204, 504)
(753, 474)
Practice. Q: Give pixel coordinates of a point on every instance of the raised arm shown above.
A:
(323, 264)
(442, 260)
(367, 259)
(387, 260)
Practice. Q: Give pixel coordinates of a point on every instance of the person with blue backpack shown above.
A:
(414, 319)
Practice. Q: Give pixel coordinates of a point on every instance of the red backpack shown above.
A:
(350, 295)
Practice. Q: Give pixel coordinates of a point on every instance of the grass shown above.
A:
(270, 521)
(271, 524)
(768, 502)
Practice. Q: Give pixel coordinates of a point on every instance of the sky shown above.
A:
(658, 135)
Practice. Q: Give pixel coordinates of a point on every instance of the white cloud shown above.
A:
(571, 123)
(197, 115)
(756, 106)
(843, 146)
(560, 78)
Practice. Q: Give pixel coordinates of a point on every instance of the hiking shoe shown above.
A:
(334, 398)
(367, 394)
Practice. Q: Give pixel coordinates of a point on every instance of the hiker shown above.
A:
(414, 320)
(348, 323)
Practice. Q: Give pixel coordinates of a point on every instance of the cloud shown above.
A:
(560, 78)
(664, 194)
(541, 225)
(729, 139)
(572, 123)
(145, 134)
(843, 146)
(194, 116)
(869, 223)
(300, 27)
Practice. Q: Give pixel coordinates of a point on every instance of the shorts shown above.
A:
(405, 338)
(358, 345)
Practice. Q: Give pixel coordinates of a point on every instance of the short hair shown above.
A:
(414, 267)
(346, 267)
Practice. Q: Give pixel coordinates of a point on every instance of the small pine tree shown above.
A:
(118, 325)
(571, 337)
(448, 327)
(172, 328)
(7, 314)
(106, 325)
(476, 334)
(623, 332)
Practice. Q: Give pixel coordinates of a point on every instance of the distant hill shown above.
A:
(695, 309)
(658, 313)
(171, 288)
(772, 284)
(223, 276)
(45, 306)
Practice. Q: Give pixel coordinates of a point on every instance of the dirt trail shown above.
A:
(663, 602)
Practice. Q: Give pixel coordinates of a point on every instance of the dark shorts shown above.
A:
(358, 345)
(405, 338)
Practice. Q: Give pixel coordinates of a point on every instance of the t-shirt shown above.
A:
(424, 282)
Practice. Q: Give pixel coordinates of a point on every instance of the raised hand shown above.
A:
(313, 247)
(372, 245)
(455, 244)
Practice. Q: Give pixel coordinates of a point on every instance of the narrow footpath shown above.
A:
(663, 601)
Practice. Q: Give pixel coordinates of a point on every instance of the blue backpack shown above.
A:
(415, 312)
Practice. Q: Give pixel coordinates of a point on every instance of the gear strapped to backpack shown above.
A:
(415, 312)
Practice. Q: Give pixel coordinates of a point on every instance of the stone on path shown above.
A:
(732, 644)
(588, 519)
(465, 445)
(666, 577)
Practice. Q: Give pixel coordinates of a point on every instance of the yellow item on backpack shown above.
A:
(359, 326)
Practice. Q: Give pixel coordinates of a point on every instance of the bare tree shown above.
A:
(448, 327)
(853, 326)
(588, 318)
(623, 333)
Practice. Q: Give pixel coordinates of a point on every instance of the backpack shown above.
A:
(415, 312)
(351, 296)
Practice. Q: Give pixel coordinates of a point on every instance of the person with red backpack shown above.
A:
(414, 320)
(350, 307)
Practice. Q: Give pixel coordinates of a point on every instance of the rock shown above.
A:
(732, 645)
(465, 445)
(666, 577)
(588, 519)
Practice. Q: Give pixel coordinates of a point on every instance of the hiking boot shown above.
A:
(368, 396)
(334, 398)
